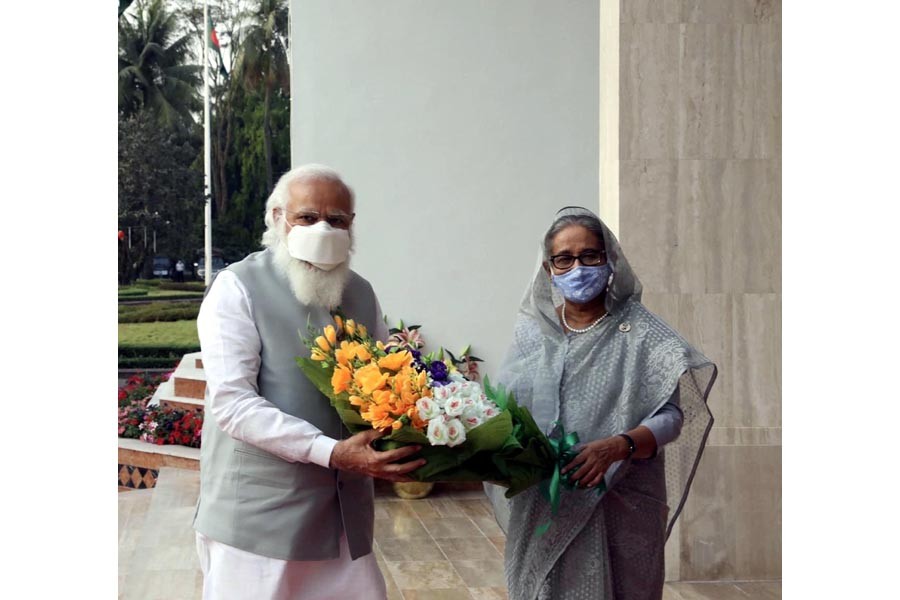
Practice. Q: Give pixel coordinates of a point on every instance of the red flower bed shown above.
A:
(151, 423)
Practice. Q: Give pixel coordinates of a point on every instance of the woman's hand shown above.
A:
(595, 458)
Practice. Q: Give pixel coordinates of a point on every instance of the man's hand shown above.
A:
(356, 454)
(594, 460)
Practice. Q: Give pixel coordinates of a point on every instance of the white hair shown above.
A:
(281, 194)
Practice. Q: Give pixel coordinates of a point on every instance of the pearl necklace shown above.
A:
(586, 329)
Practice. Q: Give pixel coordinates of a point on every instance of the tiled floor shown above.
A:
(446, 546)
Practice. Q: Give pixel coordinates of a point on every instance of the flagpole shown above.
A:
(207, 212)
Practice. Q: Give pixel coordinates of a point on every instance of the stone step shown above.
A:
(194, 359)
(190, 382)
(189, 379)
(165, 397)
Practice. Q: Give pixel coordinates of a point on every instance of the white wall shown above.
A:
(463, 126)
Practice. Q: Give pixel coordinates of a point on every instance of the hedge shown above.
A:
(128, 293)
(183, 296)
(153, 357)
(158, 311)
(148, 362)
(187, 286)
(156, 351)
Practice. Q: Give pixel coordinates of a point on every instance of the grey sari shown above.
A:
(599, 384)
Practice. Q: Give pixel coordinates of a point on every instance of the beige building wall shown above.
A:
(698, 91)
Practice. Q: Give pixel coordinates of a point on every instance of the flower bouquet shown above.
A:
(468, 431)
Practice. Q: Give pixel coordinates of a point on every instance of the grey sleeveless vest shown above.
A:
(254, 500)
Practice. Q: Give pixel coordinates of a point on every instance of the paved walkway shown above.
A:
(444, 547)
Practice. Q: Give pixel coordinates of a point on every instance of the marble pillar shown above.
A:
(698, 209)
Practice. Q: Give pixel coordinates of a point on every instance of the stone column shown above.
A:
(697, 88)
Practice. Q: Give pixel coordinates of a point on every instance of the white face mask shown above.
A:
(321, 245)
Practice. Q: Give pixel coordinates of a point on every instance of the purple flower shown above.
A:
(438, 371)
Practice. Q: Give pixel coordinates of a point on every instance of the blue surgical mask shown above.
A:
(583, 284)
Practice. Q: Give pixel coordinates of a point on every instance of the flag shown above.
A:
(213, 42)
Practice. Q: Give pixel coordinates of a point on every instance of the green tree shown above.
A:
(155, 69)
(239, 228)
(160, 188)
(262, 63)
(224, 17)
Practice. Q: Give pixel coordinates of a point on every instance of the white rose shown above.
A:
(437, 432)
(456, 433)
(456, 376)
(472, 417)
(440, 394)
(491, 411)
(428, 409)
(454, 407)
(471, 422)
(473, 390)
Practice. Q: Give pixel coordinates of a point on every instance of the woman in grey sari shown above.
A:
(587, 356)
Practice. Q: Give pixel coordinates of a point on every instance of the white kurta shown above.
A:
(231, 360)
(233, 574)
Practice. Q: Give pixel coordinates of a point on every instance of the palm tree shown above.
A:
(154, 68)
(262, 62)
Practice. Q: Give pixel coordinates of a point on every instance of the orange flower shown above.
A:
(396, 361)
(370, 378)
(363, 354)
(363, 332)
(317, 354)
(350, 327)
(330, 335)
(382, 398)
(340, 380)
(396, 425)
(378, 415)
(323, 343)
(339, 322)
(415, 420)
(357, 401)
(346, 353)
(404, 386)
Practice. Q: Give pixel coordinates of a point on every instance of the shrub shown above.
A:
(148, 282)
(149, 362)
(187, 286)
(153, 357)
(157, 351)
(158, 311)
(128, 293)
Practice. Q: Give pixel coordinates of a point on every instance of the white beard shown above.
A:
(311, 285)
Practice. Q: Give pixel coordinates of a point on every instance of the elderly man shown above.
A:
(286, 497)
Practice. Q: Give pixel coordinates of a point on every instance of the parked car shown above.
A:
(218, 263)
(163, 266)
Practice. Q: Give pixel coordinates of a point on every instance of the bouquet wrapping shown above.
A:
(467, 431)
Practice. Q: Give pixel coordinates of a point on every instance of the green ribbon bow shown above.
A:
(551, 489)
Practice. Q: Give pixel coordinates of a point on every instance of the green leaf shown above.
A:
(408, 435)
(319, 377)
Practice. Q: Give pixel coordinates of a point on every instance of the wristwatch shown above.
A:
(631, 446)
